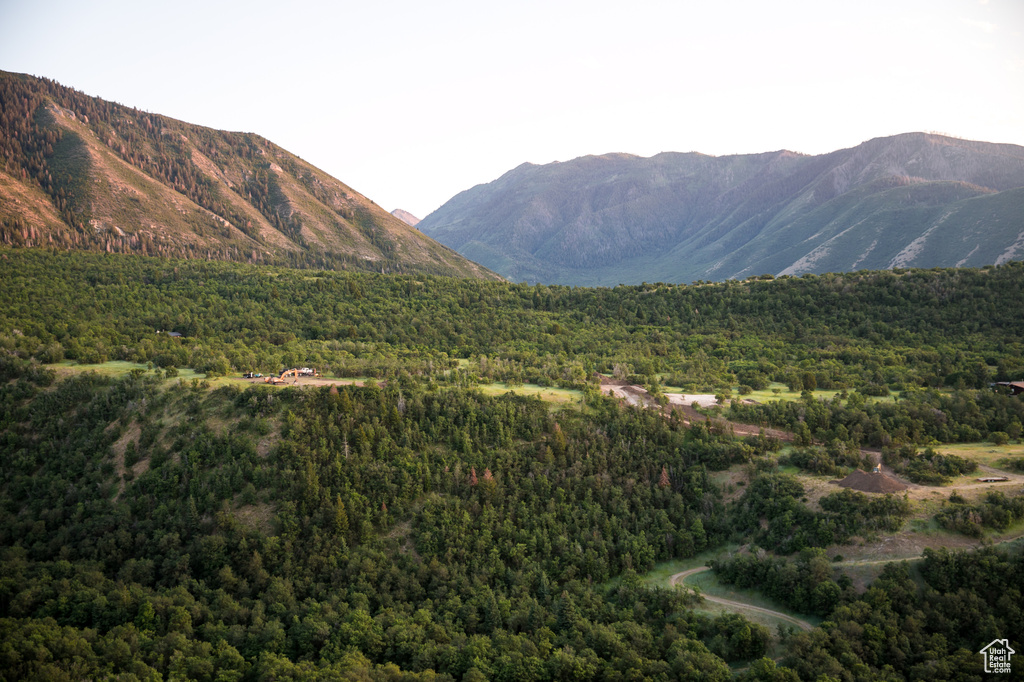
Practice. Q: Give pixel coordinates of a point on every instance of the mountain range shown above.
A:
(78, 172)
(911, 200)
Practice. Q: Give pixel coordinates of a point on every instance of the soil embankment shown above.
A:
(874, 482)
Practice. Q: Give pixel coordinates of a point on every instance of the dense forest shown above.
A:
(426, 530)
(872, 332)
(937, 339)
(160, 528)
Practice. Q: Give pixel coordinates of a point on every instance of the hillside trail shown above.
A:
(677, 581)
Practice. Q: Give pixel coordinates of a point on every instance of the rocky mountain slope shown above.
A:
(916, 200)
(406, 217)
(78, 172)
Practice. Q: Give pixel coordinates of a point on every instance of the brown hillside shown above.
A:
(78, 172)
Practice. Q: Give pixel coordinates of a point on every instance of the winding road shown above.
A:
(677, 581)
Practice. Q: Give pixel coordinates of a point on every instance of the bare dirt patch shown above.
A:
(701, 399)
(266, 443)
(259, 516)
(816, 488)
(733, 481)
(402, 532)
(874, 482)
(633, 395)
(968, 487)
(683, 403)
(903, 545)
(736, 428)
(310, 381)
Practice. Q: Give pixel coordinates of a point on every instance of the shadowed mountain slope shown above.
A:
(910, 200)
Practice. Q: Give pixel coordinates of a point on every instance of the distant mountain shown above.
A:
(406, 217)
(910, 200)
(77, 172)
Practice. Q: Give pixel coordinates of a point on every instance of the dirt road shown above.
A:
(638, 396)
(312, 381)
(678, 578)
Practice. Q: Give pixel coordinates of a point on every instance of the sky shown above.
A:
(411, 102)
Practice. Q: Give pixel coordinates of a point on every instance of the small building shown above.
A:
(1016, 387)
(993, 479)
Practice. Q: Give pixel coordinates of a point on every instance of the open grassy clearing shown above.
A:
(777, 391)
(116, 368)
(866, 571)
(969, 486)
(708, 584)
(919, 533)
(732, 481)
(985, 454)
(991, 459)
(660, 575)
(119, 368)
(560, 396)
(931, 534)
(921, 530)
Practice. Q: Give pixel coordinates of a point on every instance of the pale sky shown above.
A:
(411, 102)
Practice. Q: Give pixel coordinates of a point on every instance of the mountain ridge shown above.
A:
(619, 218)
(79, 172)
(406, 217)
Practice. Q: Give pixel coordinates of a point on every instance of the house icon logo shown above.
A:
(997, 656)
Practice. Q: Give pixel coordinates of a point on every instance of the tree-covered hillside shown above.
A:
(416, 528)
(957, 328)
(263, 532)
(152, 529)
